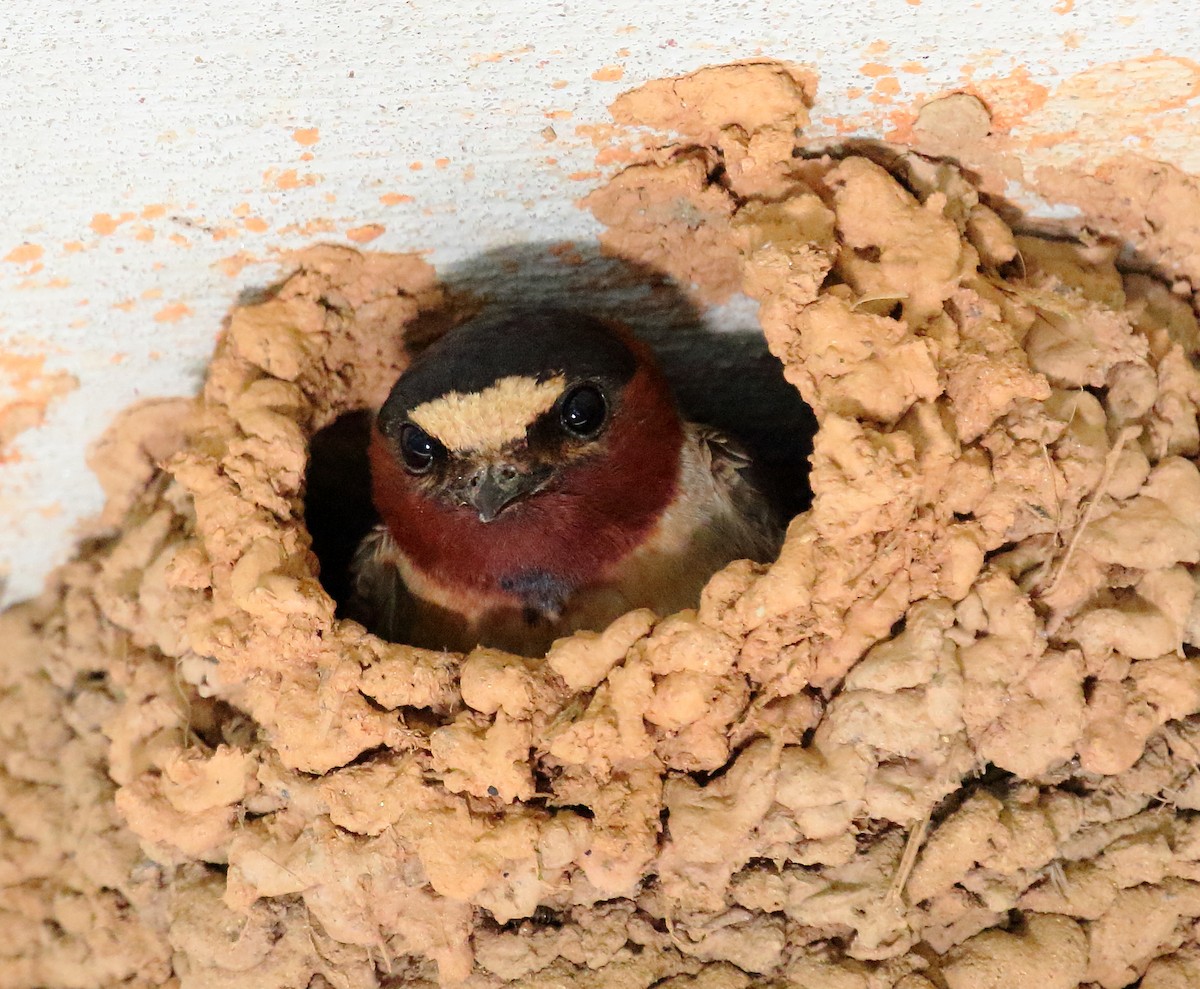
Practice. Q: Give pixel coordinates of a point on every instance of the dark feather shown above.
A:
(734, 473)
(379, 599)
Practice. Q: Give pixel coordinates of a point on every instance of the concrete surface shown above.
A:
(161, 155)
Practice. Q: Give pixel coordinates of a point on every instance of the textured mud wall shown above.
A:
(948, 739)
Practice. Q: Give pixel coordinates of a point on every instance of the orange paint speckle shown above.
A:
(256, 224)
(854, 92)
(615, 155)
(394, 198)
(1063, 6)
(914, 68)
(557, 114)
(441, 162)
(32, 389)
(241, 209)
(583, 176)
(125, 305)
(330, 197)
(878, 47)
(232, 266)
(365, 234)
(875, 69)
(900, 125)
(1048, 139)
(290, 179)
(306, 137)
(1010, 99)
(839, 125)
(559, 84)
(1134, 86)
(73, 247)
(21, 370)
(179, 240)
(105, 223)
(490, 58)
(173, 313)
(600, 135)
(154, 211)
(319, 225)
(24, 254)
(307, 156)
(913, 3)
(415, 166)
(152, 293)
(144, 233)
(609, 73)
(888, 86)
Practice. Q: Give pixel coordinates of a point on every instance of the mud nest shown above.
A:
(949, 739)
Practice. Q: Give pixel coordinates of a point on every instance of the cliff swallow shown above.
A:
(534, 477)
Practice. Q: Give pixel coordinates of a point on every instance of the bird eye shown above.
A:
(417, 448)
(583, 411)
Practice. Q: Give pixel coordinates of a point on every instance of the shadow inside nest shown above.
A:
(717, 362)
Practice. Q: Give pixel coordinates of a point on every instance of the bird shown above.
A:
(534, 477)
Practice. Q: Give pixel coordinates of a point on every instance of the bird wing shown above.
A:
(758, 528)
(379, 598)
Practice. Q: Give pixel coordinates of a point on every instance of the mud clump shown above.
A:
(949, 738)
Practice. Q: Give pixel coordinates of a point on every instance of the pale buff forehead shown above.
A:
(487, 420)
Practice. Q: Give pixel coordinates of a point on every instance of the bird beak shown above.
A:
(490, 489)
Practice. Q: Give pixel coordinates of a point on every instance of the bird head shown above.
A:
(545, 443)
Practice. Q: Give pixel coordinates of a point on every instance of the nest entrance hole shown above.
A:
(730, 381)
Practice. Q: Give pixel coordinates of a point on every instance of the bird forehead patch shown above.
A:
(487, 420)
